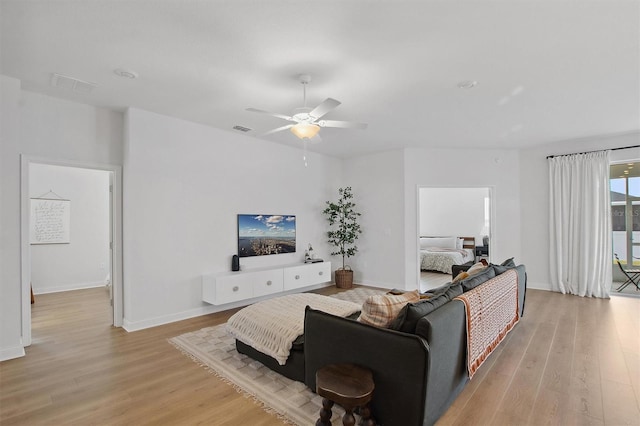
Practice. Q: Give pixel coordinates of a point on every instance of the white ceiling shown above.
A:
(547, 70)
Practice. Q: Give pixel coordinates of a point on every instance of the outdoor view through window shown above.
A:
(625, 212)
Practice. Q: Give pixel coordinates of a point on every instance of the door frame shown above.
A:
(115, 233)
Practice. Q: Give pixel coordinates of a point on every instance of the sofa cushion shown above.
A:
(408, 317)
(475, 280)
(381, 309)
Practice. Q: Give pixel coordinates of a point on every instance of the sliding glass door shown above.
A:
(625, 212)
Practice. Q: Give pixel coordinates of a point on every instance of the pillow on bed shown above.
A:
(381, 309)
(439, 242)
(460, 243)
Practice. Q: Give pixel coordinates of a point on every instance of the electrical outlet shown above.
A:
(102, 266)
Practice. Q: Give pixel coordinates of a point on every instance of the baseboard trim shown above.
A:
(532, 285)
(11, 353)
(69, 287)
(131, 326)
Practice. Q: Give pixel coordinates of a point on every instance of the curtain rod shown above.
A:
(588, 152)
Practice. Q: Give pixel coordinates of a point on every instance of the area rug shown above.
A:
(292, 401)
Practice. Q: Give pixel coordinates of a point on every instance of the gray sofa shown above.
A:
(418, 373)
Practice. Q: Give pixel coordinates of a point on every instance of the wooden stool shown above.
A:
(348, 385)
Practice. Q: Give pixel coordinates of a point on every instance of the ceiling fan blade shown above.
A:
(341, 124)
(326, 106)
(279, 129)
(274, 114)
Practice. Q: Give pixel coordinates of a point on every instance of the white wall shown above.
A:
(377, 182)
(534, 185)
(84, 262)
(40, 126)
(184, 185)
(455, 212)
(496, 169)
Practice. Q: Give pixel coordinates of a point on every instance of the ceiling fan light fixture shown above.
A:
(305, 130)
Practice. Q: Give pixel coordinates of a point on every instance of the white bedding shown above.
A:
(442, 259)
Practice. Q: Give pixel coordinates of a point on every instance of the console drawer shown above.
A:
(306, 275)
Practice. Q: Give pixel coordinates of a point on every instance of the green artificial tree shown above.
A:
(345, 230)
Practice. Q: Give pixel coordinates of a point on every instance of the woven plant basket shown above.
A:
(344, 278)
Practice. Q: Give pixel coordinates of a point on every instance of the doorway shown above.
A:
(453, 212)
(71, 240)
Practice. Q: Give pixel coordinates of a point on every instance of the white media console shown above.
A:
(228, 287)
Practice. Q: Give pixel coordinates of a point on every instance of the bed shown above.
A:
(441, 253)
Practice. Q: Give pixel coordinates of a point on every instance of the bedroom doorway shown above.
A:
(459, 212)
(55, 229)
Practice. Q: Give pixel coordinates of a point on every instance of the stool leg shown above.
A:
(325, 413)
(348, 419)
(367, 420)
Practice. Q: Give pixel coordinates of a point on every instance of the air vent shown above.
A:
(71, 83)
(242, 129)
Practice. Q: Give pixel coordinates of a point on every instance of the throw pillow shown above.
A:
(509, 263)
(476, 268)
(381, 309)
(500, 269)
(461, 276)
(411, 313)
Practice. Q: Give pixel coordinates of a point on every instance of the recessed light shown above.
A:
(126, 73)
(468, 84)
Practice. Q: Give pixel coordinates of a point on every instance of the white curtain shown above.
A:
(580, 224)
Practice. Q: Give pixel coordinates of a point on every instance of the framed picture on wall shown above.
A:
(50, 221)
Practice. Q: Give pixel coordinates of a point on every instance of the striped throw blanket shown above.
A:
(272, 325)
(492, 311)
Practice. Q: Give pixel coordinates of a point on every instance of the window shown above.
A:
(625, 211)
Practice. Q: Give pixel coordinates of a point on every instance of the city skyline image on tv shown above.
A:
(260, 234)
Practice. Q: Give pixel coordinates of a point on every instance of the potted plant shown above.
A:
(345, 230)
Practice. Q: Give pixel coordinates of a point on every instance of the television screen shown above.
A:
(259, 234)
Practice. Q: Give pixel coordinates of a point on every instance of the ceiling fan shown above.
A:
(306, 122)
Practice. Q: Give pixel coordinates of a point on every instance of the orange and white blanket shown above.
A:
(492, 311)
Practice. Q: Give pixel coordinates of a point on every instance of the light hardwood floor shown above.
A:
(569, 361)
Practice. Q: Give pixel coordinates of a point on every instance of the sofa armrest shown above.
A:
(522, 287)
(399, 363)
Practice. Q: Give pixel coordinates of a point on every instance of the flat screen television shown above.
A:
(263, 234)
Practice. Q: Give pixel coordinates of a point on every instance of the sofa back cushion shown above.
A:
(475, 280)
(381, 309)
(408, 317)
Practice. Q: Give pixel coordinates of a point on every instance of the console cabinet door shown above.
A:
(306, 275)
(268, 282)
(231, 288)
